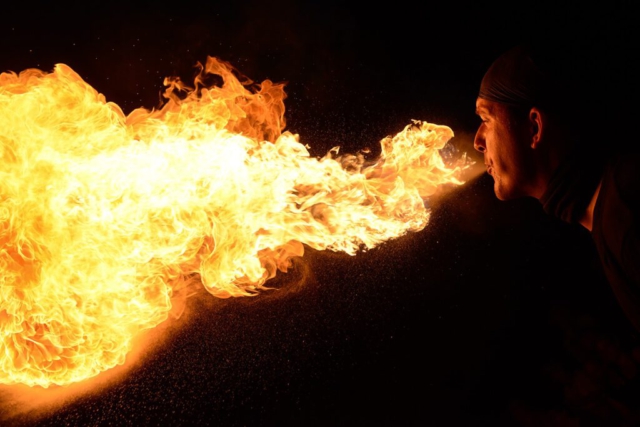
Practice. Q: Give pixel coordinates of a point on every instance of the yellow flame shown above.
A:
(103, 216)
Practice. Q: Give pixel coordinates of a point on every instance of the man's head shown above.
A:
(529, 112)
(508, 137)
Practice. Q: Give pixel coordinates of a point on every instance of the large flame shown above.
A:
(103, 216)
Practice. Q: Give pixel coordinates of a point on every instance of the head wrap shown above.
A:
(528, 76)
(513, 79)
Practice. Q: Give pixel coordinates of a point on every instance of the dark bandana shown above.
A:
(526, 76)
(512, 79)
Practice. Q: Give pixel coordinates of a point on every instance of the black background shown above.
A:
(494, 314)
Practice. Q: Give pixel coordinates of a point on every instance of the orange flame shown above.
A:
(103, 216)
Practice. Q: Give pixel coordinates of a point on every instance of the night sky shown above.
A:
(494, 314)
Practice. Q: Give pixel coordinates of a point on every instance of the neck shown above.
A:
(572, 191)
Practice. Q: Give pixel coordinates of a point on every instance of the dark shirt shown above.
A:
(615, 229)
(616, 232)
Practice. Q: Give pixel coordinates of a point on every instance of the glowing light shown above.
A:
(103, 216)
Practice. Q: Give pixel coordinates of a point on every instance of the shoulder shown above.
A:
(622, 178)
(617, 210)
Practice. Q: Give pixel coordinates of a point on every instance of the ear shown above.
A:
(537, 122)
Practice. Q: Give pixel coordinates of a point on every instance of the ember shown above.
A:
(104, 216)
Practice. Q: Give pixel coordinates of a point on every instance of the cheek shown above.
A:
(496, 142)
(512, 156)
(503, 149)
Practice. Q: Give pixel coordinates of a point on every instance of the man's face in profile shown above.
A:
(508, 157)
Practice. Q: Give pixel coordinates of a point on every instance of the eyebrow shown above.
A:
(484, 110)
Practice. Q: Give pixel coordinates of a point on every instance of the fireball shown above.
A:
(105, 216)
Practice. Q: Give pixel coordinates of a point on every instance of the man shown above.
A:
(542, 137)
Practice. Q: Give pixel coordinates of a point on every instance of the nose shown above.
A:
(479, 142)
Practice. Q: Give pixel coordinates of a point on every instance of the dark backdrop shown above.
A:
(493, 315)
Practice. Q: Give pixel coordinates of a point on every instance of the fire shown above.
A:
(104, 216)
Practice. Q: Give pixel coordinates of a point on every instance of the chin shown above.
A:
(508, 194)
(501, 193)
(497, 190)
